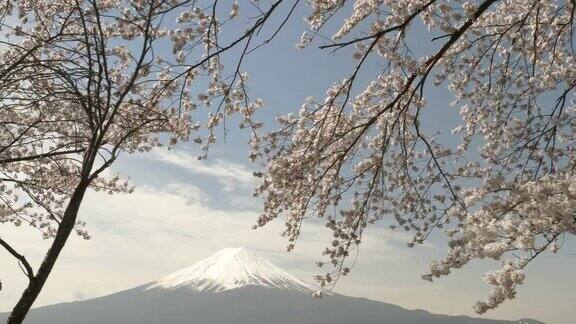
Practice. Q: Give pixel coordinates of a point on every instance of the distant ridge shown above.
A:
(236, 286)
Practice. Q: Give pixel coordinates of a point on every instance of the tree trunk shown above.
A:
(66, 227)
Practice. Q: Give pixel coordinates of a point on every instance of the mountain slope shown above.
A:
(234, 286)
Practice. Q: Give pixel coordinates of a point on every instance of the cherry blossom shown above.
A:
(505, 191)
(83, 82)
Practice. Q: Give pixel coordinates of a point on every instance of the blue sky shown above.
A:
(184, 210)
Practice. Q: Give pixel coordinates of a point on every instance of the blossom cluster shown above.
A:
(82, 82)
(504, 192)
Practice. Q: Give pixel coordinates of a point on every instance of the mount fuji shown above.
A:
(235, 286)
(233, 268)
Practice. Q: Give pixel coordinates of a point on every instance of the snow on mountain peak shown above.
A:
(233, 268)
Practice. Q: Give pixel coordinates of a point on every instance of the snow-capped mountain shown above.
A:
(235, 286)
(230, 269)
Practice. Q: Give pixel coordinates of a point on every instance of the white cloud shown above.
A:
(228, 173)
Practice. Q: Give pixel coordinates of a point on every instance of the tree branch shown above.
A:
(39, 156)
(29, 272)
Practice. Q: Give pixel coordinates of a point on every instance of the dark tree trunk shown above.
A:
(66, 227)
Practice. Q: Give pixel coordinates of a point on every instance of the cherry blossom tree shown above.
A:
(506, 191)
(82, 82)
(85, 81)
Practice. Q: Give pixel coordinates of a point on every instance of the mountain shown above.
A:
(235, 286)
(231, 269)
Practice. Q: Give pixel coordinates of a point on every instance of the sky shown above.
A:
(184, 210)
